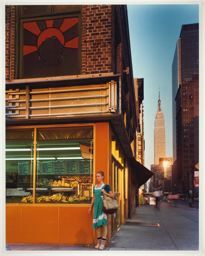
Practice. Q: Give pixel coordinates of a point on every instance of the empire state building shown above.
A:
(159, 135)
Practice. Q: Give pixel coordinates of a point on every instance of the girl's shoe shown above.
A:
(98, 244)
(102, 245)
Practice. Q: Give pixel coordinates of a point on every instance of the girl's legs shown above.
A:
(99, 236)
(104, 237)
(98, 231)
(104, 231)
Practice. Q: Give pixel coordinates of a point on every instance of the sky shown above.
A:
(154, 30)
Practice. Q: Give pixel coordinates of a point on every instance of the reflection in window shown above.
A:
(19, 163)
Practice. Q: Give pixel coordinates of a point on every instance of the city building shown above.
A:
(70, 111)
(140, 143)
(159, 134)
(162, 164)
(187, 127)
(162, 178)
(166, 163)
(185, 65)
(139, 95)
(156, 181)
(185, 71)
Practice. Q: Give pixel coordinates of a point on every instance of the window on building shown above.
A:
(19, 165)
(64, 165)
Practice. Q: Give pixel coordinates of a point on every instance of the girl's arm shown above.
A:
(110, 194)
(92, 203)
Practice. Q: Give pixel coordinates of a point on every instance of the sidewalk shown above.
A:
(137, 233)
(27, 247)
(167, 228)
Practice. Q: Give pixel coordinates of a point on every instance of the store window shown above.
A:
(64, 167)
(50, 46)
(19, 165)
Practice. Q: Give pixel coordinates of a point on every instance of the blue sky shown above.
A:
(154, 30)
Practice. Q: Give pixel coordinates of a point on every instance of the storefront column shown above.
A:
(34, 164)
(102, 149)
(102, 160)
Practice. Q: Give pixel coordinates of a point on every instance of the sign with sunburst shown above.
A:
(50, 47)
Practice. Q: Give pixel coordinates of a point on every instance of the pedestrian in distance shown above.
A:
(190, 198)
(100, 221)
(157, 194)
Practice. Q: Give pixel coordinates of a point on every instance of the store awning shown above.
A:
(141, 172)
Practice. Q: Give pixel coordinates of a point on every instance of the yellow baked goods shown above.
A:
(27, 199)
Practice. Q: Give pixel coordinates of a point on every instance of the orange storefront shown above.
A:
(53, 222)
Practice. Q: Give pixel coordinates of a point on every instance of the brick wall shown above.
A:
(10, 42)
(96, 38)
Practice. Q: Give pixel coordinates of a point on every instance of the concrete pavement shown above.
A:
(167, 228)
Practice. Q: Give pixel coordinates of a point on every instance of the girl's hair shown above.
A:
(101, 172)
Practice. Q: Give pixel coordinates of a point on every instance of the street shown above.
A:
(167, 228)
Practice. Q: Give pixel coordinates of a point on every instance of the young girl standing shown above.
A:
(99, 216)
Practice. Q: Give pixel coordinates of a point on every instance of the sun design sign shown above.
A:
(50, 47)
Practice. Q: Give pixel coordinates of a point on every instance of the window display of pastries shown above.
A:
(56, 198)
(64, 189)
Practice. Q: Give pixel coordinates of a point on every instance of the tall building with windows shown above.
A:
(187, 127)
(185, 65)
(185, 83)
(139, 95)
(159, 134)
(159, 149)
(70, 112)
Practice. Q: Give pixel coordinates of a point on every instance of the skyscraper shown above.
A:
(159, 135)
(185, 65)
(185, 86)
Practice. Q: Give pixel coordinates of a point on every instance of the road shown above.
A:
(169, 228)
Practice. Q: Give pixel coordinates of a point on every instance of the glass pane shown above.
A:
(19, 162)
(64, 165)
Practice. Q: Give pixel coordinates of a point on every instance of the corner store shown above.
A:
(102, 99)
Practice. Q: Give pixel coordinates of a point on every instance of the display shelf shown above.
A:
(61, 189)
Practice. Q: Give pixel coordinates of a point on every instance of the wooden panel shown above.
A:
(33, 10)
(39, 224)
(28, 11)
(75, 225)
(49, 224)
(13, 224)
